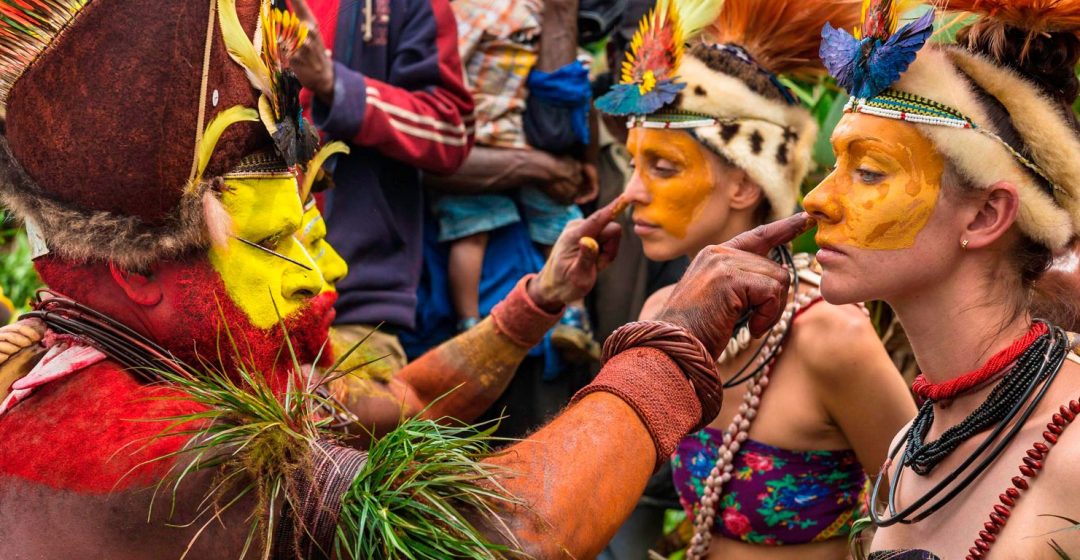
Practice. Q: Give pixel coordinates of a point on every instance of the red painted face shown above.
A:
(194, 309)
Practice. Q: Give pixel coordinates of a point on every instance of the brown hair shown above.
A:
(1047, 60)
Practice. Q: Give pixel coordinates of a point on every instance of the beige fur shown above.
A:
(1054, 145)
(84, 235)
(728, 98)
(981, 159)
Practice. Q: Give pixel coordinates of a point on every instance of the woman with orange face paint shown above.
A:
(957, 178)
(716, 152)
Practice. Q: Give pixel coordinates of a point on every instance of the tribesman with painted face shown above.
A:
(157, 153)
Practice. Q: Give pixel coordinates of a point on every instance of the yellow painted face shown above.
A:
(884, 188)
(674, 168)
(266, 211)
(312, 236)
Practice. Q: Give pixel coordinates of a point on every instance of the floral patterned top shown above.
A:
(775, 496)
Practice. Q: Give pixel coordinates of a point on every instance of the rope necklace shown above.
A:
(742, 329)
(1036, 369)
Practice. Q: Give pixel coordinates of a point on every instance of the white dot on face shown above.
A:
(214, 98)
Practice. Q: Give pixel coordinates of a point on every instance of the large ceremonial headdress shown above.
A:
(122, 117)
(711, 67)
(946, 91)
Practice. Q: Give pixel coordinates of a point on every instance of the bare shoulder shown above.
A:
(837, 340)
(655, 303)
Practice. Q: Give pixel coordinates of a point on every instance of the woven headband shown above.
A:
(903, 106)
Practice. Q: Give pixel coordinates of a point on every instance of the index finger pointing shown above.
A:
(595, 222)
(762, 239)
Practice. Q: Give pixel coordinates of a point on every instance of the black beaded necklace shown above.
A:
(1035, 370)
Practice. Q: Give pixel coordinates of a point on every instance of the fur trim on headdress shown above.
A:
(768, 139)
(982, 159)
(81, 235)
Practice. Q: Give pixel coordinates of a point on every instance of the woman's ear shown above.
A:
(141, 289)
(996, 213)
(745, 193)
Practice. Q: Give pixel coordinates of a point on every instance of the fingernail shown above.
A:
(810, 224)
(590, 244)
(620, 206)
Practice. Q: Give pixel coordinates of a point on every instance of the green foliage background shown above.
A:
(17, 277)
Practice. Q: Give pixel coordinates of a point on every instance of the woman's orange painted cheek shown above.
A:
(890, 213)
(676, 200)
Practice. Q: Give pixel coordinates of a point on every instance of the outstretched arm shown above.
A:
(462, 377)
(582, 474)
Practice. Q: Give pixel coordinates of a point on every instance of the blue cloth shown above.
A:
(464, 215)
(567, 87)
(510, 255)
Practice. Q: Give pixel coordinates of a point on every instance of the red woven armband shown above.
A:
(665, 375)
(519, 318)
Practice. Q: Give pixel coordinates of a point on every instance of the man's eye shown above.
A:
(271, 242)
(869, 176)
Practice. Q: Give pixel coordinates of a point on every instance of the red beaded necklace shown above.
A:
(995, 365)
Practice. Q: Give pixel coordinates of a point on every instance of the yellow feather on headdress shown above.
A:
(783, 36)
(656, 49)
(240, 47)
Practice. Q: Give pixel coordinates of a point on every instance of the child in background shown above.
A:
(499, 45)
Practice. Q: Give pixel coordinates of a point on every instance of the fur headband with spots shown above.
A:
(726, 91)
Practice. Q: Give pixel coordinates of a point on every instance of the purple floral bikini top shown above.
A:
(775, 496)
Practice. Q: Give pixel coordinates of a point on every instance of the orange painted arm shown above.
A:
(580, 477)
(474, 367)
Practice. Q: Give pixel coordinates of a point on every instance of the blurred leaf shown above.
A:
(18, 279)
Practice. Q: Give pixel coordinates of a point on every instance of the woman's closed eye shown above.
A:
(664, 168)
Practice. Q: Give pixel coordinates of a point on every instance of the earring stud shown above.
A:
(964, 244)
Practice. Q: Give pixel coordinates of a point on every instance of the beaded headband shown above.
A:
(903, 106)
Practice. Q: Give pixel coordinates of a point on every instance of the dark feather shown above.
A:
(839, 51)
(887, 62)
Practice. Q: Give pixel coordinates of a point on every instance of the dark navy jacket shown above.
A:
(401, 103)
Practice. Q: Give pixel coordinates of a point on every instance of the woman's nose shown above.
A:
(821, 202)
(635, 191)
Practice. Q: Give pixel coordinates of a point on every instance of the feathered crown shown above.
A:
(871, 59)
(725, 89)
(651, 67)
(106, 182)
(942, 89)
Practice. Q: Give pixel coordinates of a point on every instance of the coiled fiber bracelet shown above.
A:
(684, 349)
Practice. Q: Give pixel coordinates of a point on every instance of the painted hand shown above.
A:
(311, 61)
(18, 336)
(725, 280)
(584, 249)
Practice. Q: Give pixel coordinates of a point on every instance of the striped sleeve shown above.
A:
(426, 118)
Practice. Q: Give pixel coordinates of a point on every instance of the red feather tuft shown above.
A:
(783, 35)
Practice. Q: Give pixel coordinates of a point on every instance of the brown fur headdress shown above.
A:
(121, 114)
(733, 101)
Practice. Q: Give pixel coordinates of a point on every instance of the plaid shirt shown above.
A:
(499, 41)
